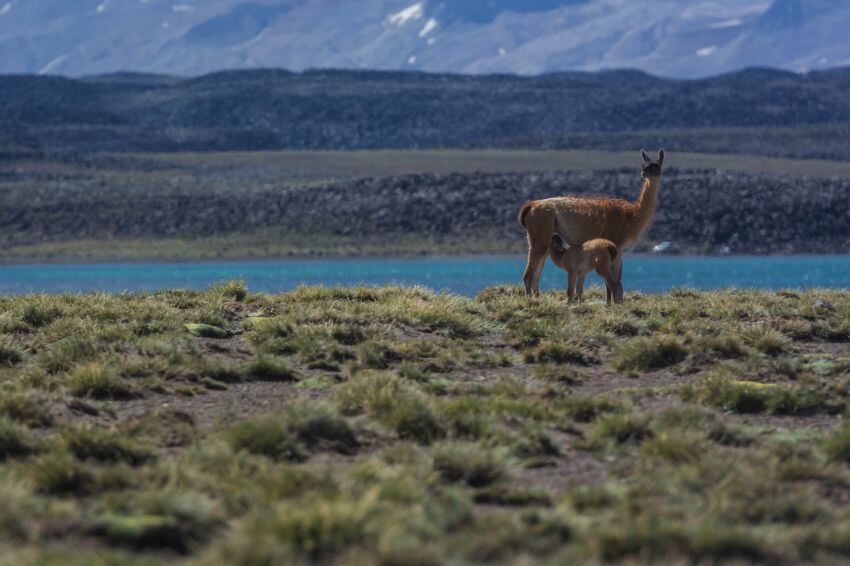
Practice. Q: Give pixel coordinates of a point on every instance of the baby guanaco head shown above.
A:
(651, 168)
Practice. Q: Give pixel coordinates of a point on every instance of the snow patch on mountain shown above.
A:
(411, 13)
(52, 65)
(430, 26)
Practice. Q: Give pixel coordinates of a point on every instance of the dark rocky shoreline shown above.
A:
(700, 210)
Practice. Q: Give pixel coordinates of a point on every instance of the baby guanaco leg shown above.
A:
(580, 287)
(572, 278)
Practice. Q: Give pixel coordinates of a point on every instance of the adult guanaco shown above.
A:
(579, 219)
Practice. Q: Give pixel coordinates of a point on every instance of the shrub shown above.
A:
(651, 353)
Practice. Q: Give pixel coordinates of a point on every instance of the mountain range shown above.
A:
(672, 38)
(755, 111)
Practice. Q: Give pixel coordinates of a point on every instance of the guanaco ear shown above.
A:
(645, 156)
(660, 156)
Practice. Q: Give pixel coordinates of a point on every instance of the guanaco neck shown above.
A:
(645, 205)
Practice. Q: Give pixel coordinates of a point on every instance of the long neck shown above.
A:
(645, 205)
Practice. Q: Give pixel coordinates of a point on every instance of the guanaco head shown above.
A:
(651, 168)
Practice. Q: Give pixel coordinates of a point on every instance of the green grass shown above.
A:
(398, 425)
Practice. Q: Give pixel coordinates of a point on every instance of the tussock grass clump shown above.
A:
(709, 348)
(468, 463)
(266, 437)
(512, 497)
(287, 435)
(660, 538)
(679, 448)
(584, 498)
(377, 355)
(586, 409)
(266, 368)
(561, 353)
(41, 312)
(739, 396)
(393, 402)
(767, 340)
(66, 353)
(565, 375)
(463, 417)
(14, 441)
(97, 381)
(536, 443)
(448, 321)
(652, 353)
(837, 445)
(319, 425)
(236, 290)
(302, 531)
(88, 442)
(620, 429)
(24, 408)
(10, 355)
(58, 473)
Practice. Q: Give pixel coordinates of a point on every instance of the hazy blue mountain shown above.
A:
(677, 38)
(755, 111)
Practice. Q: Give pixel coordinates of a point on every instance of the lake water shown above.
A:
(466, 275)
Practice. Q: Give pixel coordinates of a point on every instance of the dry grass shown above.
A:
(398, 425)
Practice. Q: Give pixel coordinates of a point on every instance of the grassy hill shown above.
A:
(755, 111)
(397, 425)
